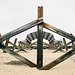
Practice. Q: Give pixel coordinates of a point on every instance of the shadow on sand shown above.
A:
(15, 63)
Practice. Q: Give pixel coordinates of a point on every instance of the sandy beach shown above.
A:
(9, 65)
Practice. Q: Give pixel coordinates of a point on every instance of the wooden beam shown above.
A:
(0, 34)
(7, 42)
(19, 30)
(40, 40)
(26, 46)
(65, 44)
(49, 45)
(16, 47)
(15, 41)
(19, 44)
(57, 44)
(58, 31)
(19, 57)
(13, 44)
(38, 12)
(72, 41)
(59, 60)
(60, 43)
(61, 47)
(2, 42)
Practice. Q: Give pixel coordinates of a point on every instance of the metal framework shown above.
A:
(40, 24)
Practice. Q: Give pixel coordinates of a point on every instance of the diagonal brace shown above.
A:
(61, 47)
(20, 29)
(58, 31)
(59, 60)
(19, 57)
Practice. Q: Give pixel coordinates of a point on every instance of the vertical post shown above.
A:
(60, 44)
(0, 34)
(15, 41)
(6, 44)
(7, 41)
(72, 42)
(40, 40)
(19, 45)
(2, 43)
(65, 44)
(57, 44)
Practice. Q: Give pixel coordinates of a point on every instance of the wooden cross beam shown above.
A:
(39, 22)
(0, 34)
(65, 44)
(20, 29)
(26, 46)
(72, 41)
(40, 39)
(49, 45)
(58, 31)
(19, 57)
(15, 41)
(13, 44)
(61, 47)
(59, 60)
(7, 42)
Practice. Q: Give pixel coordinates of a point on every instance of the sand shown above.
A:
(9, 65)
